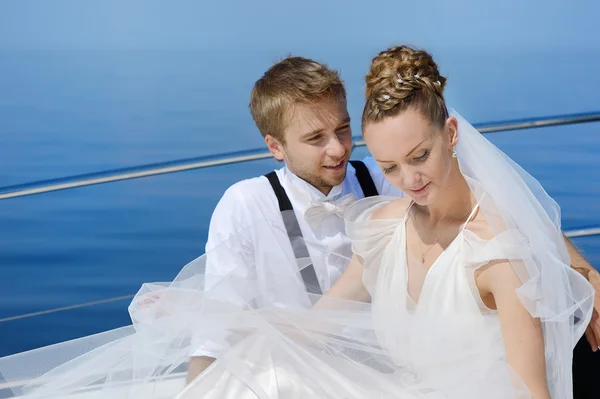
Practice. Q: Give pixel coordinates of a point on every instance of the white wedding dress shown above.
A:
(446, 344)
(425, 334)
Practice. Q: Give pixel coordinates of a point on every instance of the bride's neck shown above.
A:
(454, 203)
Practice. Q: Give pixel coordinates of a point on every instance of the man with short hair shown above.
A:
(299, 107)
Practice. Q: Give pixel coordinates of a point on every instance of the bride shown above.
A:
(461, 290)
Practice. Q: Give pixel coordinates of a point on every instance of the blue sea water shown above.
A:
(70, 112)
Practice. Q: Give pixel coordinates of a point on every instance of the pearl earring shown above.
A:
(454, 155)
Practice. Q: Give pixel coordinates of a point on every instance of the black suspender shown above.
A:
(282, 198)
(308, 274)
(364, 179)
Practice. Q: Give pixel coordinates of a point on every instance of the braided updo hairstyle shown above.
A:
(401, 78)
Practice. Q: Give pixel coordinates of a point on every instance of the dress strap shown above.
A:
(473, 212)
(412, 202)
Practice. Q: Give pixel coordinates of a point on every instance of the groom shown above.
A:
(299, 107)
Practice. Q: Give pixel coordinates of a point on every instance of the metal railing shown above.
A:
(230, 158)
(246, 156)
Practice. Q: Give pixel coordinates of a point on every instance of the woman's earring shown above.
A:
(454, 155)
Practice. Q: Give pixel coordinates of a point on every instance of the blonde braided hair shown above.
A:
(402, 77)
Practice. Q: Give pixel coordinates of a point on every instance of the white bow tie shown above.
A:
(318, 211)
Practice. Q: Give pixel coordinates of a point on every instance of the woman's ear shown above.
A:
(451, 129)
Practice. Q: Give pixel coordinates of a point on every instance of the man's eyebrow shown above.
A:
(317, 131)
(345, 121)
(312, 133)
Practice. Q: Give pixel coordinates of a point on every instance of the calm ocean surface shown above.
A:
(70, 112)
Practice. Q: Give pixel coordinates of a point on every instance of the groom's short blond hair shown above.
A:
(291, 81)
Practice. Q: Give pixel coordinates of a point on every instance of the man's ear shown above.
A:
(275, 147)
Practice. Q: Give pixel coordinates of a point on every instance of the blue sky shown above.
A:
(241, 25)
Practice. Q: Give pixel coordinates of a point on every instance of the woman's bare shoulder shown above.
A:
(394, 210)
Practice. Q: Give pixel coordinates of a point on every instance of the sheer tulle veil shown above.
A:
(147, 359)
(551, 290)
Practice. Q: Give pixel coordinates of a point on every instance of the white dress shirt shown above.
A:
(247, 241)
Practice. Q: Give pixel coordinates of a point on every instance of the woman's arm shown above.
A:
(582, 266)
(349, 286)
(523, 336)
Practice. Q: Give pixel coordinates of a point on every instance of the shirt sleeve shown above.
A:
(230, 273)
(384, 187)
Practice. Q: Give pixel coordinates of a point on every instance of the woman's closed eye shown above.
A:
(423, 157)
(387, 170)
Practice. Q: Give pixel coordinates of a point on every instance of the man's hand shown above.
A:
(578, 263)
